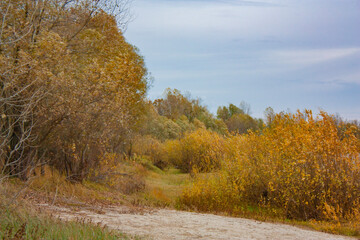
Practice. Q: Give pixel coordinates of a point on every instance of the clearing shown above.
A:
(171, 224)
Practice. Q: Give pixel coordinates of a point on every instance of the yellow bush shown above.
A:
(152, 149)
(174, 152)
(299, 164)
(201, 150)
(313, 170)
(211, 192)
(128, 178)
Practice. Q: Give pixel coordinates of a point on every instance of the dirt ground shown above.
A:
(172, 224)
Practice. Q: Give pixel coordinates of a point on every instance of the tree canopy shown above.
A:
(71, 85)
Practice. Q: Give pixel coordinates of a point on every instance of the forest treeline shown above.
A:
(73, 97)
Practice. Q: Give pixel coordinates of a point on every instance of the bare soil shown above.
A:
(172, 224)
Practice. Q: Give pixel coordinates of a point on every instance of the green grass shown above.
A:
(21, 219)
(18, 223)
(164, 187)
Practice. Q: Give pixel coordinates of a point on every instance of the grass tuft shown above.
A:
(20, 220)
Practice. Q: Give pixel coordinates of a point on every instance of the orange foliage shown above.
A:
(117, 174)
(201, 150)
(299, 164)
(151, 148)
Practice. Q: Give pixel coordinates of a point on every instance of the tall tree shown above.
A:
(70, 83)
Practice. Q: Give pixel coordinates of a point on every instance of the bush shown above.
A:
(201, 150)
(299, 163)
(126, 177)
(152, 148)
(211, 192)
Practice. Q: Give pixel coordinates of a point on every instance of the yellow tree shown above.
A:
(69, 81)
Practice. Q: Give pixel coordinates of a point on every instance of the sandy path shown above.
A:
(171, 224)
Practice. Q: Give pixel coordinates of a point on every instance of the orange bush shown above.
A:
(152, 149)
(201, 150)
(299, 163)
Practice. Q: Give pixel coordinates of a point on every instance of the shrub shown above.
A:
(152, 148)
(201, 150)
(118, 175)
(211, 192)
(299, 163)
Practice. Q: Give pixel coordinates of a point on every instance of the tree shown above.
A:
(237, 119)
(245, 107)
(174, 104)
(269, 115)
(20, 84)
(225, 113)
(241, 123)
(70, 83)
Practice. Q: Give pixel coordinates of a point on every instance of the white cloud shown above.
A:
(209, 18)
(350, 78)
(301, 58)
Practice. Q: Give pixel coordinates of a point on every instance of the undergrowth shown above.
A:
(21, 220)
(164, 187)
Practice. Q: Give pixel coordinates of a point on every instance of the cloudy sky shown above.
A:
(287, 54)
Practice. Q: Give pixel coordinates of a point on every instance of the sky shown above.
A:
(286, 54)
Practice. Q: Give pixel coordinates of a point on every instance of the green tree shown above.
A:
(241, 123)
(237, 119)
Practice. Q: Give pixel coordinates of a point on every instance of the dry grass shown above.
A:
(20, 218)
(162, 190)
(163, 187)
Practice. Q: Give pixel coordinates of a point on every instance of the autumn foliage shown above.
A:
(73, 96)
(201, 150)
(300, 165)
(72, 88)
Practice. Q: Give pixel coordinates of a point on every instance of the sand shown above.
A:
(172, 224)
